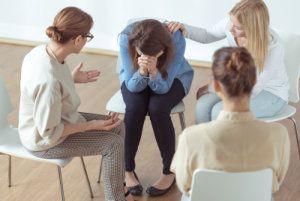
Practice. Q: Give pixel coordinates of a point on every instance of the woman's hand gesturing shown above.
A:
(84, 76)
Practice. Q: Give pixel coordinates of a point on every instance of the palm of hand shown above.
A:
(84, 76)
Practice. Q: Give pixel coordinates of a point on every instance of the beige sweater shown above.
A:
(235, 142)
(48, 100)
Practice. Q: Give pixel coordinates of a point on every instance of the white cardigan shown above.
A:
(273, 79)
(48, 101)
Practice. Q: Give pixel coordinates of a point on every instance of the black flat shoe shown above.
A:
(152, 191)
(128, 192)
(137, 189)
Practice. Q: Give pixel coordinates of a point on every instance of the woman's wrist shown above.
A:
(89, 125)
(153, 73)
(143, 72)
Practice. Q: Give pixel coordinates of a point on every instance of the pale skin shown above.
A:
(147, 66)
(236, 29)
(238, 104)
(61, 51)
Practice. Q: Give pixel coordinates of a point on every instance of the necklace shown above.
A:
(52, 53)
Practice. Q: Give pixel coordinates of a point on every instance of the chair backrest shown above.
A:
(213, 185)
(119, 61)
(5, 104)
(292, 62)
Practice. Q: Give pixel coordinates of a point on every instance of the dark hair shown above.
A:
(69, 23)
(151, 36)
(235, 69)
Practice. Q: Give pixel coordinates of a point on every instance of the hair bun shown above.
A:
(236, 64)
(53, 33)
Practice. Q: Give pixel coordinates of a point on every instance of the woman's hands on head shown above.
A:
(148, 64)
(84, 76)
(175, 26)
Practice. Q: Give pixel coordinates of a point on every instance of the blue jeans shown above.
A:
(185, 198)
(265, 104)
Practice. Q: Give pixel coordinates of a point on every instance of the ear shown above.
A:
(216, 86)
(218, 89)
(77, 40)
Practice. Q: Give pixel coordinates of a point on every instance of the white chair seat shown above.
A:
(288, 111)
(116, 104)
(10, 144)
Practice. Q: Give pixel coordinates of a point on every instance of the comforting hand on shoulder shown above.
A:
(84, 76)
(175, 26)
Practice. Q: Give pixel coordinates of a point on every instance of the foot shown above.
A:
(130, 179)
(201, 91)
(133, 184)
(128, 196)
(162, 186)
(165, 181)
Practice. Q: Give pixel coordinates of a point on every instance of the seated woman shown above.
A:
(49, 124)
(247, 26)
(154, 78)
(236, 132)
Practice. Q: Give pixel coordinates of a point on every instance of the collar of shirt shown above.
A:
(237, 116)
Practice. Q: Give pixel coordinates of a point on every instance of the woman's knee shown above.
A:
(204, 107)
(266, 104)
(136, 108)
(120, 130)
(216, 110)
(118, 143)
(158, 110)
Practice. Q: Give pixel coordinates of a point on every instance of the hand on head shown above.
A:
(175, 26)
(148, 64)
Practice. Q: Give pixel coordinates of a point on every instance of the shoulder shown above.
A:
(37, 56)
(275, 42)
(197, 132)
(38, 67)
(276, 131)
(125, 34)
(178, 38)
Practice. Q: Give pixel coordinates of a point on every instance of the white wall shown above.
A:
(28, 19)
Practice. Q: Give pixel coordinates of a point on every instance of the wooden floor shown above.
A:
(39, 182)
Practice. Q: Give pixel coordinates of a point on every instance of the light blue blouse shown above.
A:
(179, 68)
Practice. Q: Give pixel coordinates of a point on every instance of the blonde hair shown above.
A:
(254, 16)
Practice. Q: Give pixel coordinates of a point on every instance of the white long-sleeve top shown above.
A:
(273, 79)
(48, 100)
